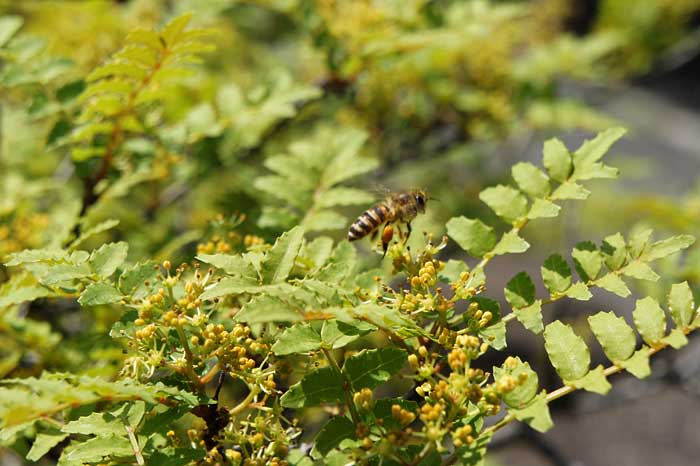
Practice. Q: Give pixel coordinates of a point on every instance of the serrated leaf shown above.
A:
(29, 256)
(133, 281)
(638, 241)
(579, 291)
(570, 190)
(586, 158)
(105, 260)
(324, 385)
(594, 381)
(229, 263)
(337, 429)
(531, 317)
(614, 284)
(680, 304)
(530, 179)
(520, 291)
(299, 338)
(614, 251)
(472, 235)
(370, 368)
(638, 363)
(337, 333)
(265, 308)
(45, 441)
(526, 382)
(64, 273)
(507, 202)
(318, 251)
(95, 449)
(641, 271)
(511, 243)
(99, 293)
(556, 274)
(567, 351)
(665, 248)
(587, 260)
(650, 320)
(494, 335)
(173, 31)
(615, 336)
(542, 208)
(279, 260)
(557, 160)
(536, 414)
(676, 338)
(453, 270)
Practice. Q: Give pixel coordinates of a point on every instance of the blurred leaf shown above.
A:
(508, 203)
(665, 248)
(586, 158)
(472, 235)
(9, 25)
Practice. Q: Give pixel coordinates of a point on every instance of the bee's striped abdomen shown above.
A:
(368, 222)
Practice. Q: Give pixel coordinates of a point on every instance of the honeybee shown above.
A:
(400, 207)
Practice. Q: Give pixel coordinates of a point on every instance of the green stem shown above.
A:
(347, 388)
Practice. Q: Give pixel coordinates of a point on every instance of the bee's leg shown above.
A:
(374, 234)
(408, 226)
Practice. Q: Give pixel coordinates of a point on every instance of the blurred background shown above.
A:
(444, 95)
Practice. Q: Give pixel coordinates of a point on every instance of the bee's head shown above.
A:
(421, 198)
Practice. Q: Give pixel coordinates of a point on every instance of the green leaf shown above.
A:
(133, 281)
(614, 251)
(181, 456)
(9, 25)
(494, 335)
(665, 248)
(557, 160)
(106, 424)
(337, 429)
(95, 449)
(638, 242)
(536, 414)
(579, 291)
(383, 414)
(594, 381)
(542, 208)
(570, 190)
(318, 251)
(520, 291)
(472, 235)
(586, 158)
(105, 260)
(370, 368)
(19, 288)
(511, 243)
(336, 333)
(229, 263)
(530, 179)
(680, 304)
(341, 196)
(279, 261)
(614, 284)
(63, 273)
(173, 31)
(526, 379)
(615, 336)
(676, 338)
(453, 270)
(99, 293)
(567, 351)
(264, 308)
(587, 260)
(638, 364)
(650, 320)
(324, 385)
(94, 230)
(507, 202)
(45, 441)
(641, 271)
(531, 317)
(299, 338)
(556, 274)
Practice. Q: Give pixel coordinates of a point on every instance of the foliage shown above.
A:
(272, 332)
